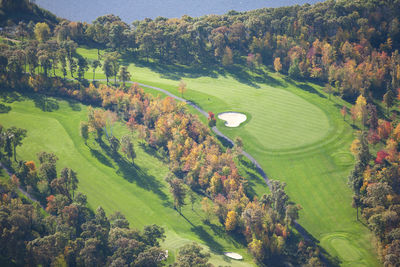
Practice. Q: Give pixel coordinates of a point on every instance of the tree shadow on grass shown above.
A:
(328, 259)
(186, 219)
(133, 173)
(255, 175)
(4, 108)
(246, 163)
(251, 178)
(266, 79)
(101, 158)
(224, 141)
(45, 103)
(304, 87)
(310, 89)
(205, 236)
(73, 104)
(151, 151)
(10, 96)
(177, 72)
(237, 71)
(208, 239)
(218, 230)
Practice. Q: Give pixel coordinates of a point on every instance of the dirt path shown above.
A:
(31, 198)
(214, 129)
(307, 236)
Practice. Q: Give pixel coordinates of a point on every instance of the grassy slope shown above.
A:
(297, 135)
(139, 193)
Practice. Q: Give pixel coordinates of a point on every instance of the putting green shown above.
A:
(343, 158)
(283, 118)
(295, 132)
(341, 245)
(139, 192)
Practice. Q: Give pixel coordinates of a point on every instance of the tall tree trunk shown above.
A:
(357, 212)
(15, 153)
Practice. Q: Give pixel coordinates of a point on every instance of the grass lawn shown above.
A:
(140, 192)
(295, 132)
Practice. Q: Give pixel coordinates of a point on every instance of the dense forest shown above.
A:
(375, 178)
(194, 156)
(349, 46)
(346, 44)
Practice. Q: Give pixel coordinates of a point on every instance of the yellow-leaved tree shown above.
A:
(182, 87)
(355, 147)
(361, 109)
(231, 221)
(277, 64)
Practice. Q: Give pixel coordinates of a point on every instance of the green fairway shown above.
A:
(295, 132)
(140, 192)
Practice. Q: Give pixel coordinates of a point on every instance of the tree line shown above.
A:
(375, 176)
(68, 232)
(348, 45)
(197, 161)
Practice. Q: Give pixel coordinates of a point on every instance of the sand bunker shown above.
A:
(232, 119)
(233, 255)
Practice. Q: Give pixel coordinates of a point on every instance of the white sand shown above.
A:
(232, 119)
(233, 255)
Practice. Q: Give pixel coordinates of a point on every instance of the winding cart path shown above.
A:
(29, 196)
(214, 129)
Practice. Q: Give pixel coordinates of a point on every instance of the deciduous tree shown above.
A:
(95, 64)
(182, 87)
(42, 32)
(128, 148)
(124, 75)
(178, 190)
(388, 99)
(277, 64)
(17, 135)
(83, 67)
(192, 255)
(84, 130)
(227, 58)
(231, 220)
(343, 111)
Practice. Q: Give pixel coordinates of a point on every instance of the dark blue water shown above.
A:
(130, 10)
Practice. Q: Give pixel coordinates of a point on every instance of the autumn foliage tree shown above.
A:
(343, 111)
(227, 58)
(84, 130)
(212, 121)
(128, 148)
(231, 221)
(277, 64)
(182, 87)
(178, 191)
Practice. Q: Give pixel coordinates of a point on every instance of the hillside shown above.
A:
(140, 193)
(318, 86)
(24, 11)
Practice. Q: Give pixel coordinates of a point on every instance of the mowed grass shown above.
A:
(295, 132)
(140, 192)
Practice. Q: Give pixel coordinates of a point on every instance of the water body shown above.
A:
(130, 10)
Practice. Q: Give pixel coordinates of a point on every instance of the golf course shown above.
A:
(297, 134)
(139, 192)
(242, 137)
